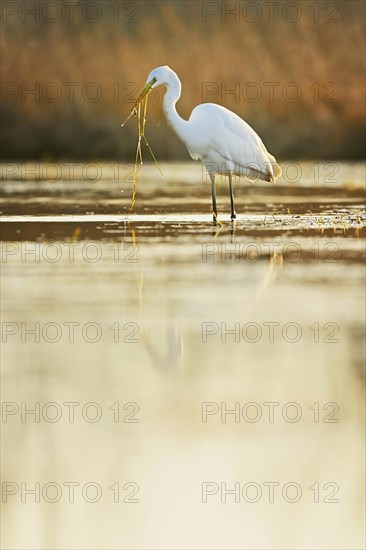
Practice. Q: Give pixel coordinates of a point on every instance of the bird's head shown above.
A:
(158, 76)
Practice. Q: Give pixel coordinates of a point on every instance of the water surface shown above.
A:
(152, 326)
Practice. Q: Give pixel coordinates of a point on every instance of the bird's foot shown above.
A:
(233, 216)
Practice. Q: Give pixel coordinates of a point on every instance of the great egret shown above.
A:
(224, 142)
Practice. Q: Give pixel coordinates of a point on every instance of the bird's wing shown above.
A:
(244, 147)
(234, 140)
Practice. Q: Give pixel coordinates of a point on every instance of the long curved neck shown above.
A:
(170, 99)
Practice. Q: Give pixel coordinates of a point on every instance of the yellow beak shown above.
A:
(146, 89)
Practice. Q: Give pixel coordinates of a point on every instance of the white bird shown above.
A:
(224, 142)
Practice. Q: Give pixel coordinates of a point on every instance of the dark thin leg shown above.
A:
(213, 191)
(233, 215)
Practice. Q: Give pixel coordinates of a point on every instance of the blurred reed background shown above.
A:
(326, 122)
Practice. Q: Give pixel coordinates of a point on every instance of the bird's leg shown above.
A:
(233, 215)
(213, 191)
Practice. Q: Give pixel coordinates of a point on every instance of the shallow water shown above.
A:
(170, 357)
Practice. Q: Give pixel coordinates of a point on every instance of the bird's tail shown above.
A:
(276, 168)
(272, 169)
(270, 173)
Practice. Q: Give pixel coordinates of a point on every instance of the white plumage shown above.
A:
(224, 142)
